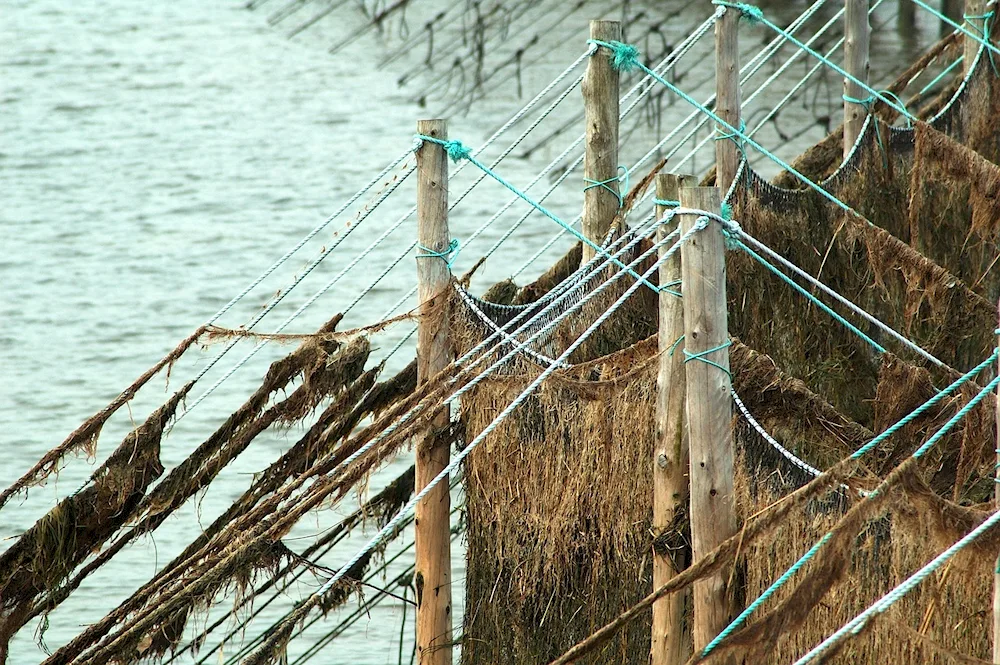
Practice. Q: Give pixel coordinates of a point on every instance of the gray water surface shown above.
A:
(157, 157)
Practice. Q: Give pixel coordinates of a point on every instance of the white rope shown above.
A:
(787, 454)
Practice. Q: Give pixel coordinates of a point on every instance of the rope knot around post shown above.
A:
(749, 12)
(446, 254)
(622, 178)
(455, 149)
(702, 356)
(624, 57)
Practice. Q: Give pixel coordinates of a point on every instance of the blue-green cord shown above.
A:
(701, 355)
(937, 79)
(618, 47)
(666, 288)
(456, 150)
(673, 347)
(781, 581)
(985, 18)
(736, 137)
(451, 249)
(755, 15)
(867, 104)
(993, 48)
(667, 203)
(816, 301)
(777, 584)
(622, 177)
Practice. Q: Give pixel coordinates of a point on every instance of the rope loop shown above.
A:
(428, 253)
(624, 57)
(701, 355)
(455, 149)
(666, 288)
(667, 203)
(622, 177)
(738, 136)
(749, 12)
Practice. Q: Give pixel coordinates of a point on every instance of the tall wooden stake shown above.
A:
(906, 19)
(600, 164)
(727, 96)
(857, 38)
(975, 26)
(709, 408)
(432, 529)
(670, 644)
(996, 506)
(953, 10)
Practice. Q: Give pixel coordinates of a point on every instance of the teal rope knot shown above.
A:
(668, 203)
(622, 177)
(455, 149)
(985, 31)
(624, 57)
(701, 355)
(665, 288)
(428, 253)
(737, 136)
(749, 12)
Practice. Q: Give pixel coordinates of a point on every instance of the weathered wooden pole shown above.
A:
(600, 163)
(906, 19)
(996, 506)
(953, 10)
(670, 643)
(432, 530)
(857, 38)
(709, 407)
(727, 97)
(973, 9)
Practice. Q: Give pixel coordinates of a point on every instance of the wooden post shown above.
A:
(709, 408)
(996, 506)
(906, 19)
(600, 163)
(432, 529)
(975, 26)
(670, 644)
(857, 37)
(727, 96)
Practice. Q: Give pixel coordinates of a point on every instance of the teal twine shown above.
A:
(758, 17)
(430, 253)
(730, 230)
(985, 18)
(622, 178)
(673, 347)
(781, 581)
(737, 136)
(778, 583)
(455, 148)
(747, 139)
(623, 58)
(665, 288)
(816, 301)
(867, 104)
(937, 79)
(667, 203)
(958, 27)
(701, 355)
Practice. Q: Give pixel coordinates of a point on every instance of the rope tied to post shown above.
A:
(622, 177)
(624, 57)
(455, 148)
(445, 254)
(703, 356)
(749, 12)
(984, 32)
(737, 136)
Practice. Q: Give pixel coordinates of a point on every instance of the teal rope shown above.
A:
(427, 252)
(778, 583)
(736, 137)
(788, 574)
(701, 355)
(619, 48)
(456, 150)
(668, 203)
(666, 288)
(937, 79)
(757, 16)
(816, 301)
(673, 347)
(958, 27)
(606, 184)
(985, 18)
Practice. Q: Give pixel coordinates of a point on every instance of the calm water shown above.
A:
(154, 159)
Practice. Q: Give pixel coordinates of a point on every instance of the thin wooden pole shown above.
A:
(996, 506)
(953, 10)
(600, 163)
(906, 19)
(857, 39)
(432, 525)
(973, 8)
(727, 96)
(709, 408)
(670, 643)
